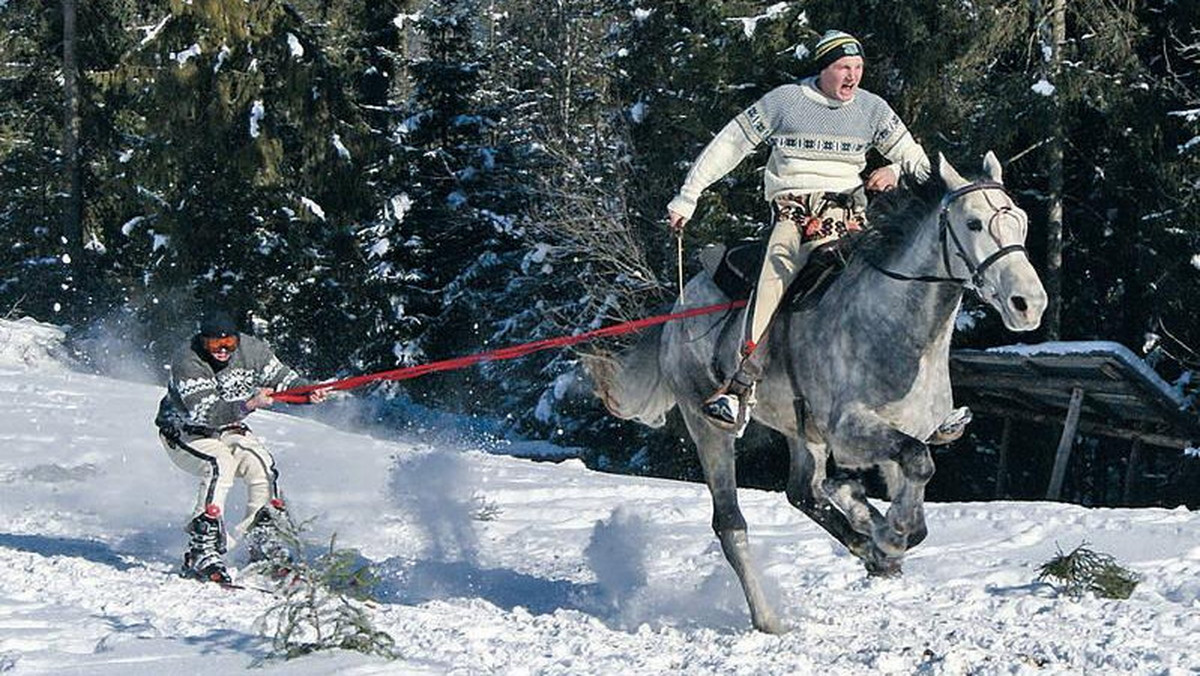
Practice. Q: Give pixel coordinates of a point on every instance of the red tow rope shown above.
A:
(299, 395)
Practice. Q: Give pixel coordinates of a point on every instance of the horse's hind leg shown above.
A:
(806, 490)
(717, 459)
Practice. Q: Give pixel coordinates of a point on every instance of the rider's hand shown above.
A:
(261, 400)
(882, 179)
(676, 221)
(319, 395)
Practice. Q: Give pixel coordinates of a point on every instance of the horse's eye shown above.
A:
(975, 224)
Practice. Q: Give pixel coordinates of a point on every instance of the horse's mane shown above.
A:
(894, 215)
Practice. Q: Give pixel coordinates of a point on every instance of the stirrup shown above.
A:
(722, 410)
(729, 411)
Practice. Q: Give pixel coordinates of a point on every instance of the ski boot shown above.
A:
(204, 559)
(268, 537)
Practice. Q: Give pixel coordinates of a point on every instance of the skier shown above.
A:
(217, 379)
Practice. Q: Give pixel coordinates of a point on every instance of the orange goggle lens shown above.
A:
(221, 344)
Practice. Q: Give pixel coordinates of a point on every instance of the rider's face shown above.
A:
(839, 80)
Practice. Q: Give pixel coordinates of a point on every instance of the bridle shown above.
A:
(946, 235)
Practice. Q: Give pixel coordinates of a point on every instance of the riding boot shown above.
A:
(729, 407)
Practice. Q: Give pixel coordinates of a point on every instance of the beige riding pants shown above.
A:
(218, 461)
(802, 223)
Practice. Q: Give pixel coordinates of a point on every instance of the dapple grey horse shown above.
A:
(860, 380)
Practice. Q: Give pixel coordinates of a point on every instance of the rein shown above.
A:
(976, 270)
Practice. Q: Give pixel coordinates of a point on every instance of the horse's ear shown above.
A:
(991, 167)
(950, 176)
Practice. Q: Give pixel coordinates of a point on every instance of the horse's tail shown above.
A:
(631, 383)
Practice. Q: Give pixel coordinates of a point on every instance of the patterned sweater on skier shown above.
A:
(819, 130)
(204, 398)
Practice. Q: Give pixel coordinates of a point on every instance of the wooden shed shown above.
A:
(1094, 388)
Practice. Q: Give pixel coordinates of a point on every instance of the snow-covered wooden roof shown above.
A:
(1122, 396)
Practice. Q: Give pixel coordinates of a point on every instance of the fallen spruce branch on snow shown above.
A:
(1085, 570)
(325, 603)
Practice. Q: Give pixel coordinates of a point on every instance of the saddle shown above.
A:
(734, 269)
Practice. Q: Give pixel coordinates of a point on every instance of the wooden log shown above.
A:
(1063, 455)
(1002, 460)
(1133, 469)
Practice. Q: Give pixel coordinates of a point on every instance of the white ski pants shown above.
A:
(218, 461)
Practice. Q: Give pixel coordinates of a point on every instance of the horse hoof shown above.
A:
(886, 568)
(771, 626)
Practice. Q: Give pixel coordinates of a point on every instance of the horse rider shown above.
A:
(217, 379)
(819, 129)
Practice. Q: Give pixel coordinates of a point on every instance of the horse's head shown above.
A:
(985, 232)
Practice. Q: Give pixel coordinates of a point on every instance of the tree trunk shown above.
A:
(1052, 30)
(72, 216)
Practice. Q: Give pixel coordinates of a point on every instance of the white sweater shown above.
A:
(818, 144)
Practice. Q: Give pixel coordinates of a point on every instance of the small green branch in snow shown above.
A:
(1085, 570)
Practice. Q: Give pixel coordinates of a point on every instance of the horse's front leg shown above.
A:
(906, 476)
(864, 438)
(809, 490)
(717, 458)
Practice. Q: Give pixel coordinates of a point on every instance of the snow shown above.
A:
(257, 111)
(128, 226)
(1099, 347)
(571, 572)
(313, 207)
(186, 55)
(1043, 87)
(750, 23)
(294, 46)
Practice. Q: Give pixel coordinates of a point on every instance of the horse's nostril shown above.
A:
(1019, 303)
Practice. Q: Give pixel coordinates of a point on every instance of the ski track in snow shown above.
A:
(572, 571)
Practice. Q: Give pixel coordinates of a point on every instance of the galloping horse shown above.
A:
(861, 378)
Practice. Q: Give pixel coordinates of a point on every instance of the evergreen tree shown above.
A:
(45, 268)
(239, 162)
(462, 214)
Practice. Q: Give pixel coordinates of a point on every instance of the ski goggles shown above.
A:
(220, 344)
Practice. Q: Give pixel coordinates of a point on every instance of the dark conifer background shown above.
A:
(381, 182)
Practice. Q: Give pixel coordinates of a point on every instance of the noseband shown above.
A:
(946, 234)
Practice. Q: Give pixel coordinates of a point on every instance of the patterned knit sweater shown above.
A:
(202, 399)
(818, 144)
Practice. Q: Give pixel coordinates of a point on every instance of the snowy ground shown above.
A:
(577, 573)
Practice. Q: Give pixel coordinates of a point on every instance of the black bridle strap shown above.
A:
(976, 271)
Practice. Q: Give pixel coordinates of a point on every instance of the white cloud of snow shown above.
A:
(640, 14)
(1196, 261)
